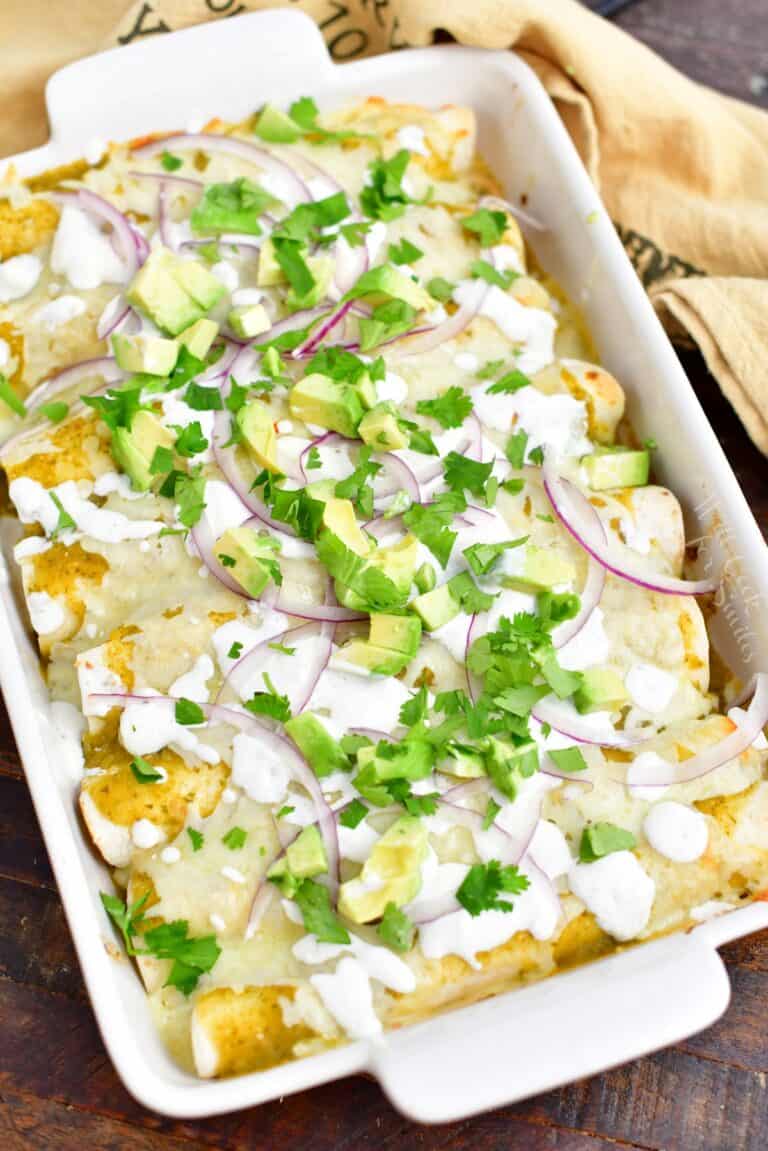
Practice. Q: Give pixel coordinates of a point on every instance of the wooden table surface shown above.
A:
(57, 1087)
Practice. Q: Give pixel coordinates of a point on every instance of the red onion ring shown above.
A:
(309, 347)
(301, 686)
(205, 542)
(68, 376)
(167, 178)
(401, 478)
(739, 741)
(279, 744)
(578, 729)
(592, 591)
(112, 317)
(243, 149)
(569, 505)
(124, 233)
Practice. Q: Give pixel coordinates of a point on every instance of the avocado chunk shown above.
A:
(174, 293)
(538, 568)
(397, 562)
(507, 764)
(323, 490)
(258, 428)
(412, 759)
(150, 355)
(316, 744)
(617, 468)
(276, 127)
(463, 762)
(392, 643)
(249, 322)
(436, 607)
(366, 390)
(134, 449)
(250, 558)
(197, 338)
(601, 689)
(379, 428)
(386, 283)
(322, 269)
(269, 273)
(317, 399)
(391, 874)
(303, 859)
(339, 517)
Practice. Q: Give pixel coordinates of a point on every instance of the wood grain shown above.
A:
(57, 1087)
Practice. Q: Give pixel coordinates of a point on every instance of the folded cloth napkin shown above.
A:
(683, 171)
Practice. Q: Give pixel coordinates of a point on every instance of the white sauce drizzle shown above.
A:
(347, 995)
(676, 831)
(533, 328)
(193, 684)
(262, 772)
(34, 505)
(618, 892)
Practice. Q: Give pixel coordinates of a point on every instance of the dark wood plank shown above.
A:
(22, 852)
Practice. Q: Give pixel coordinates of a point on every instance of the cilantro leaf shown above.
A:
(162, 461)
(117, 406)
(65, 523)
(201, 398)
(235, 838)
(190, 441)
(384, 198)
(488, 226)
(126, 918)
(356, 486)
(188, 712)
(462, 474)
(483, 884)
(440, 289)
(377, 591)
(270, 702)
(568, 759)
(515, 449)
(235, 650)
(396, 929)
(417, 805)
(144, 772)
(171, 163)
(353, 814)
(191, 956)
(482, 558)
(196, 837)
(599, 839)
(510, 382)
(472, 600)
(414, 710)
(429, 523)
(492, 809)
(290, 255)
(450, 409)
(189, 493)
(391, 319)
(482, 270)
(233, 207)
(9, 397)
(489, 369)
(55, 411)
(314, 903)
(405, 252)
(313, 460)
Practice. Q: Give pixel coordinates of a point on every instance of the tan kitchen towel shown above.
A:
(683, 170)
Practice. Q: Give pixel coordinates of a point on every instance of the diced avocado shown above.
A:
(270, 272)
(249, 322)
(322, 269)
(395, 632)
(303, 858)
(391, 874)
(386, 282)
(617, 468)
(197, 339)
(339, 517)
(601, 689)
(366, 390)
(380, 429)
(316, 744)
(156, 291)
(323, 490)
(392, 643)
(134, 449)
(463, 762)
(542, 569)
(398, 563)
(425, 578)
(436, 607)
(276, 127)
(271, 364)
(507, 764)
(412, 759)
(257, 424)
(199, 283)
(317, 399)
(151, 355)
(249, 557)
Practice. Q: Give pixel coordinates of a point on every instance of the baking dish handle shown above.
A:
(533, 1039)
(95, 98)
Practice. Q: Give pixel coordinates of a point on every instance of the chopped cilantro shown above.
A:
(226, 561)
(387, 321)
(482, 270)
(396, 929)
(171, 163)
(190, 441)
(9, 397)
(189, 493)
(201, 398)
(65, 523)
(144, 772)
(235, 650)
(510, 382)
(450, 409)
(462, 474)
(313, 460)
(482, 558)
(568, 759)
(188, 712)
(440, 289)
(599, 839)
(419, 439)
(233, 207)
(353, 814)
(405, 252)
(282, 648)
(314, 903)
(286, 809)
(117, 406)
(414, 710)
(290, 255)
(356, 487)
(429, 523)
(55, 411)
(536, 455)
(488, 226)
(489, 369)
(270, 702)
(191, 956)
(515, 449)
(484, 883)
(377, 591)
(384, 197)
(162, 461)
(196, 838)
(126, 918)
(235, 838)
(492, 809)
(237, 396)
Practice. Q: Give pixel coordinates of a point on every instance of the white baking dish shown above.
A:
(572, 1025)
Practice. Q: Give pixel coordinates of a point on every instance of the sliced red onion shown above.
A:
(375, 736)
(279, 744)
(471, 787)
(396, 477)
(570, 505)
(303, 682)
(519, 213)
(222, 366)
(168, 178)
(414, 345)
(303, 319)
(327, 440)
(474, 631)
(663, 774)
(592, 592)
(243, 149)
(310, 345)
(351, 264)
(265, 893)
(115, 312)
(569, 723)
(124, 233)
(69, 376)
(474, 449)
(320, 613)
(205, 542)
